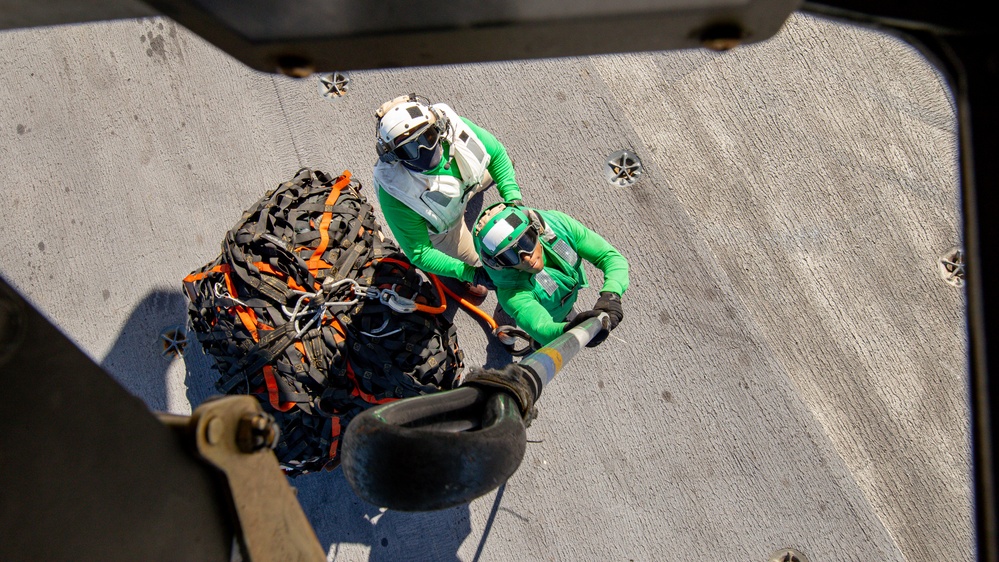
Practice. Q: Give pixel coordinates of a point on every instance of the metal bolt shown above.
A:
(174, 341)
(788, 555)
(722, 37)
(333, 85)
(295, 66)
(256, 432)
(952, 267)
(623, 168)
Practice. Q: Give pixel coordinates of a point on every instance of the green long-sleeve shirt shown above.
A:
(410, 229)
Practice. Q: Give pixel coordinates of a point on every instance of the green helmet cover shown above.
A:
(501, 230)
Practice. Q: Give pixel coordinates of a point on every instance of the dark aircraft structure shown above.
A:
(141, 460)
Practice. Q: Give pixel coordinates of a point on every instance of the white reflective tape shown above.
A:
(496, 236)
(581, 336)
(580, 332)
(568, 254)
(545, 280)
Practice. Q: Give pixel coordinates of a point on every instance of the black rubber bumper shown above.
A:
(434, 451)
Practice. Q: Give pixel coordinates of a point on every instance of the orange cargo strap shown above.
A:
(272, 391)
(246, 315)
(316, 262)
(224, 268)
(334, 435)
(364, 395)
(267, 268)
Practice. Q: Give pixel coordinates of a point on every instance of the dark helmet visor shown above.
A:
(427, 139)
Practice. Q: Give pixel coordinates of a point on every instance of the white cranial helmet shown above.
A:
(402, 120)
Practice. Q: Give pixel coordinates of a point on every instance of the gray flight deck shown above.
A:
(791, 370)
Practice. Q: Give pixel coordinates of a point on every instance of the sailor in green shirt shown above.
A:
(431, 162)
(535, 259)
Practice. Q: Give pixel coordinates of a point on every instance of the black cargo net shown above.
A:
(311, 309)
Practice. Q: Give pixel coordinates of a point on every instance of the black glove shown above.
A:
(586, 315)
(611, 304)
(482, 278)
